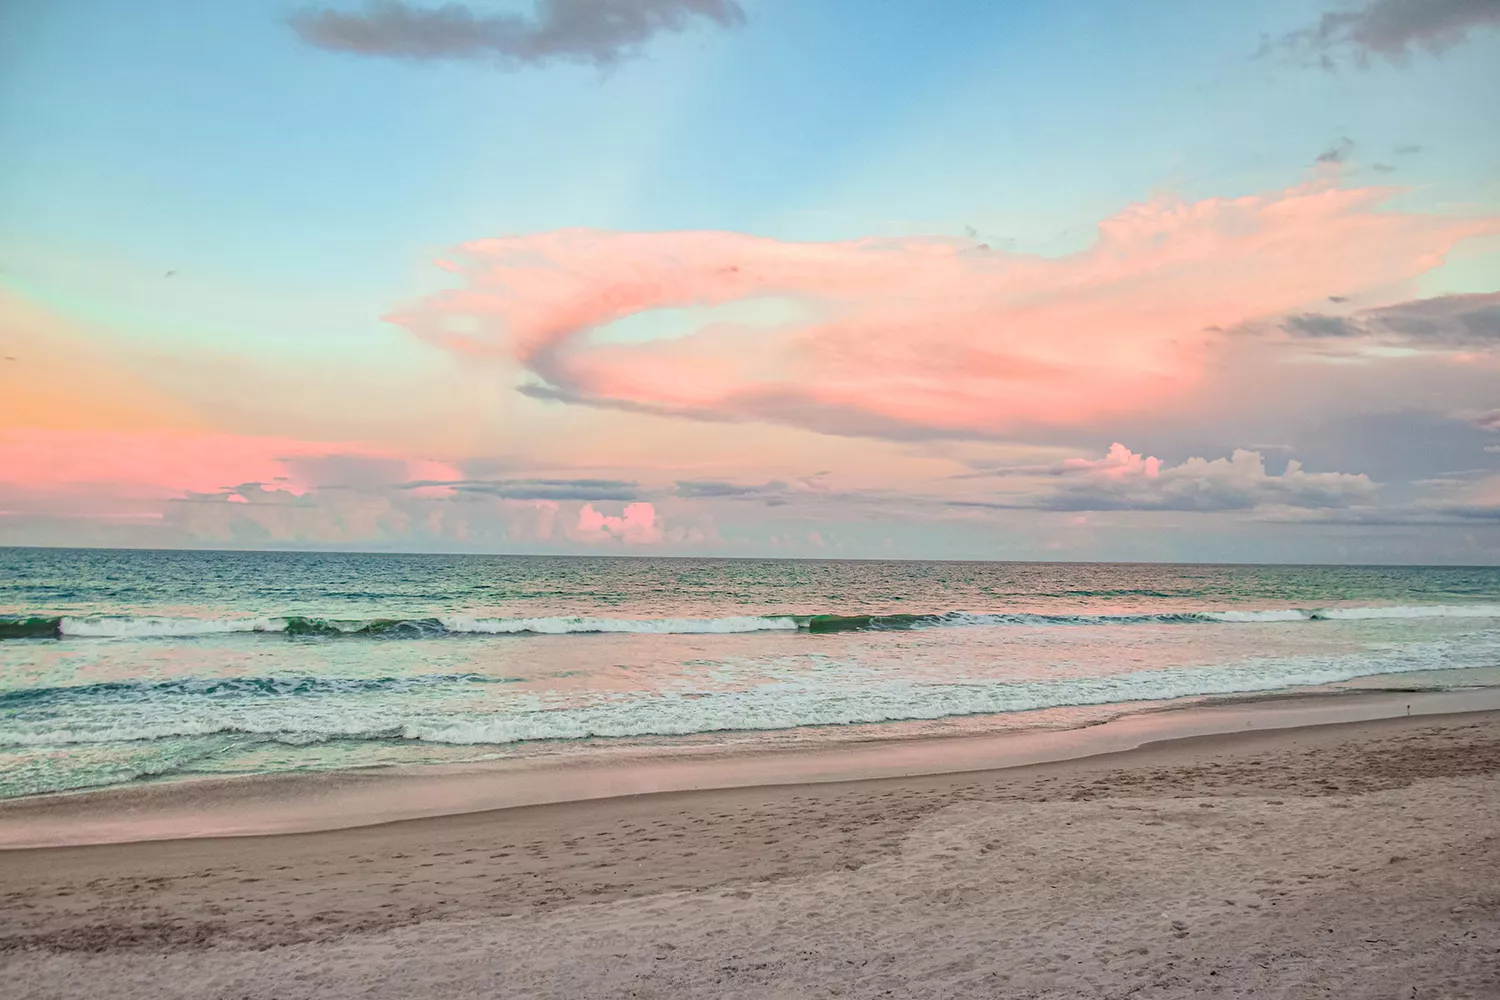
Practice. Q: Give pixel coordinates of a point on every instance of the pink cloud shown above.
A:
(931, 336)
(1117, 464)
(636, 525)
(161, 462)
(165, 463)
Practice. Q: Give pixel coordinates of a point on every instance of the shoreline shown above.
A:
(1356, 858)
(290, 804)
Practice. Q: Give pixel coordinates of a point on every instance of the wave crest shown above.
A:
(188, 709)
(438, 626)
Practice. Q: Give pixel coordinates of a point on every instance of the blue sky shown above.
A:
(298, 194)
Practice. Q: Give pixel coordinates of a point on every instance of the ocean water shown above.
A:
(120, 666)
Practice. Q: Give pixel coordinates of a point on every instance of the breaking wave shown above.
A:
(287, 709)
(133, 627)
(223, 688)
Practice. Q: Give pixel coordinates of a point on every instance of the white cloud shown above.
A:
(1125, 480)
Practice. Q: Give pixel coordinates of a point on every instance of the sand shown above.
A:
(1351, 860)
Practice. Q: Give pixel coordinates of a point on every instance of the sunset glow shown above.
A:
(416, 297)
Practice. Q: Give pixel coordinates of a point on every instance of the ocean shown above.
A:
(120, 666)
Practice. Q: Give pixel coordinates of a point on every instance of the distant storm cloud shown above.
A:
(920, 338)
(600, 32)
(1391, 29)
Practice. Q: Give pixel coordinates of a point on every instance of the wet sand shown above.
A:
(305, 802)
(1359, 859)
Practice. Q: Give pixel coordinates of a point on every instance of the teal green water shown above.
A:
(122, 665)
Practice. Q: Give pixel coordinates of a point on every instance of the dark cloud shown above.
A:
(1011, 471)
(808, 489)
(697, 488)
(600, 32)
(538, 489)
(1462, 320)
(1382, 168)
(1407, 150)
(1339, 152)
(1389, 29)
(1455, 322)
(1319, 325)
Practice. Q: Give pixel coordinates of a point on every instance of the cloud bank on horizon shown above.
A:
(1278, 354)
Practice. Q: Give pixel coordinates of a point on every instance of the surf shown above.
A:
(439, 626)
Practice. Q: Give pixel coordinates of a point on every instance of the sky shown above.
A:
(1107, 280)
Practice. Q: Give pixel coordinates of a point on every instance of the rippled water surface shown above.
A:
(117, 665)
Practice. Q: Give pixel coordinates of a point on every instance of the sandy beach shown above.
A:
(1351, 860)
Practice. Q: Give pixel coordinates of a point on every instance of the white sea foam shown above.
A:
(1416, 611)
(646, 626)
(128, 627)
(1359, 613)
(146, 628)
(1246, 617)
(836, 694)
(787, 705)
